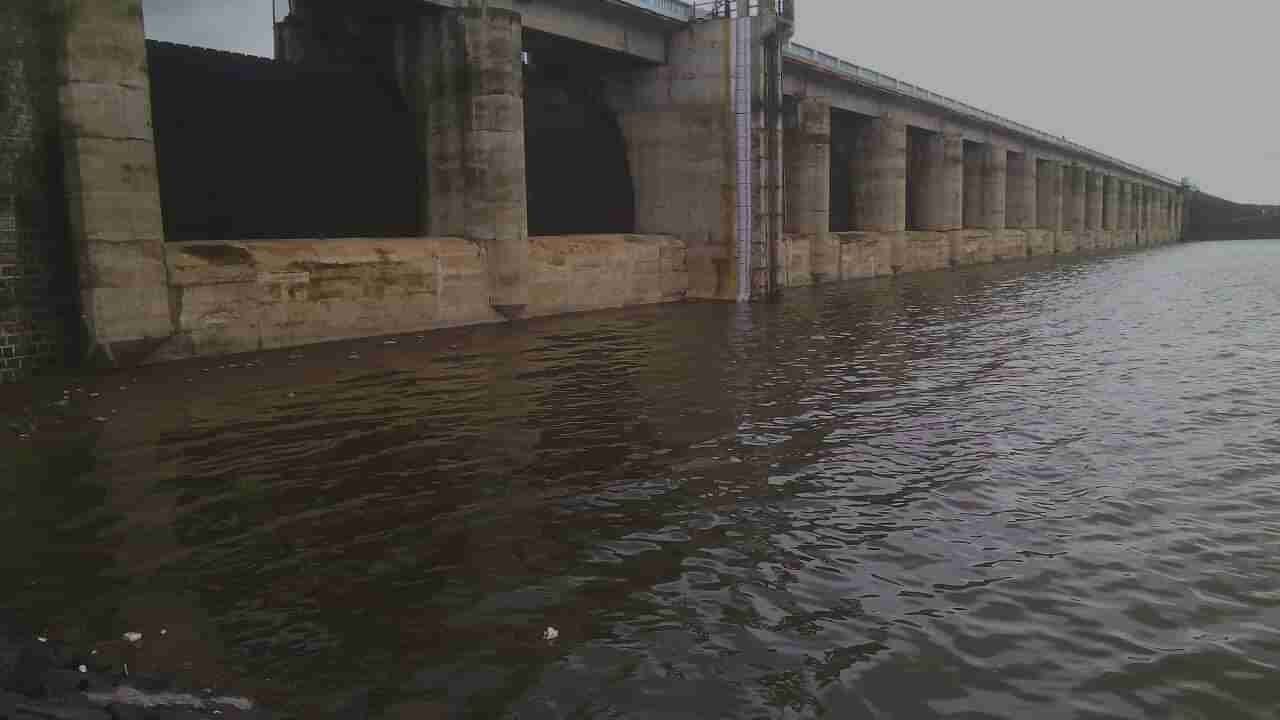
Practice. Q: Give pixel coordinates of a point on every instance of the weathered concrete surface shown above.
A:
(1073, 198)
(678, 127)
(113, 197)
(1093, 201)
(864, 254)
(1049, 195)
(807, 153)
(1020, 199)
(1110, 203)
(576, 273)
(497, 212)
(1125, 201)
(796, 261)
(244, 296)
(881, 181)
(1040, 242)
(941, 182)
(994, 184)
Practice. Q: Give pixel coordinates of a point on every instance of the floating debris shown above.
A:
(550, 634)
(100, 419)
(132, 696)
(42, 639)
(389, 342)
(84, 668)
(163, 631)
(133, 637)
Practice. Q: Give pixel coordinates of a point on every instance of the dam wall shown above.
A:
(259, 294)
(149, 213)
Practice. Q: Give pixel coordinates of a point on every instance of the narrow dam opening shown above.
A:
(918, 141)
(847, 159)
(971, 213)
(577, 172)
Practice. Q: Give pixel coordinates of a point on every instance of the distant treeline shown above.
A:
(1213, 218)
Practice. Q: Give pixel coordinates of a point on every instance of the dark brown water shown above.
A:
(1043, 490)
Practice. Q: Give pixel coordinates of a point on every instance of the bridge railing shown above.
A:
(867, 76)
(674, 9)
(705, 9)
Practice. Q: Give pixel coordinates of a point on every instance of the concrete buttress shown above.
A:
(942, 182)
(496, 198)
(807, 153)
(881, 188)
(994, 185)
(1073, 198)
(1049, 194)
(1110, 200)
(1021, 200)
(1093, 200)
(113, 193)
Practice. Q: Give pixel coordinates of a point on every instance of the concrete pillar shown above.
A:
(881, 184)
(1093, 200)
(942, 182)
(113, 194)
(497, 211)
(1049, 194)
(1073, 198)
(1020, 199)
(994, 185)
(465, 81)
(807, 154)
(985, 185)
(1124, 205)
(1110, 203)
(971, 213)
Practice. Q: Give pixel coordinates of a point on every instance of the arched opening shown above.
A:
(577, 172)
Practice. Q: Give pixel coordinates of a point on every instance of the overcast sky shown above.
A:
(1180, 88)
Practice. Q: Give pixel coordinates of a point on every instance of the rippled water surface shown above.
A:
(1034, 490)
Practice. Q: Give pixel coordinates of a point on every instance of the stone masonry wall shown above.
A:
(36, 306)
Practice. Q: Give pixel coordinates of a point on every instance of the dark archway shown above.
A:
(578, 175)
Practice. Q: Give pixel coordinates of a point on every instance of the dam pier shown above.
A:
(407, 165)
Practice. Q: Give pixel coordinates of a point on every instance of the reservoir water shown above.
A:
(1041, 489)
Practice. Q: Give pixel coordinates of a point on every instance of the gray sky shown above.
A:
(1180, 88)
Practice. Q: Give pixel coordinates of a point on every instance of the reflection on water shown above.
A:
(1041, 489)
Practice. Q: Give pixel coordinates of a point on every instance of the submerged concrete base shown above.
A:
(230, 297)
(242, 296)
(877, 254)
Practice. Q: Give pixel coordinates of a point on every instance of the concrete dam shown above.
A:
(406, 165)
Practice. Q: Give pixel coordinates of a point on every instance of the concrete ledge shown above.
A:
(575, 273)
(875, 254)
(250, 295)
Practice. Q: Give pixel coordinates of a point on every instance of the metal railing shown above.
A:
(866, 76)
(708, 9)
(674, 9)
